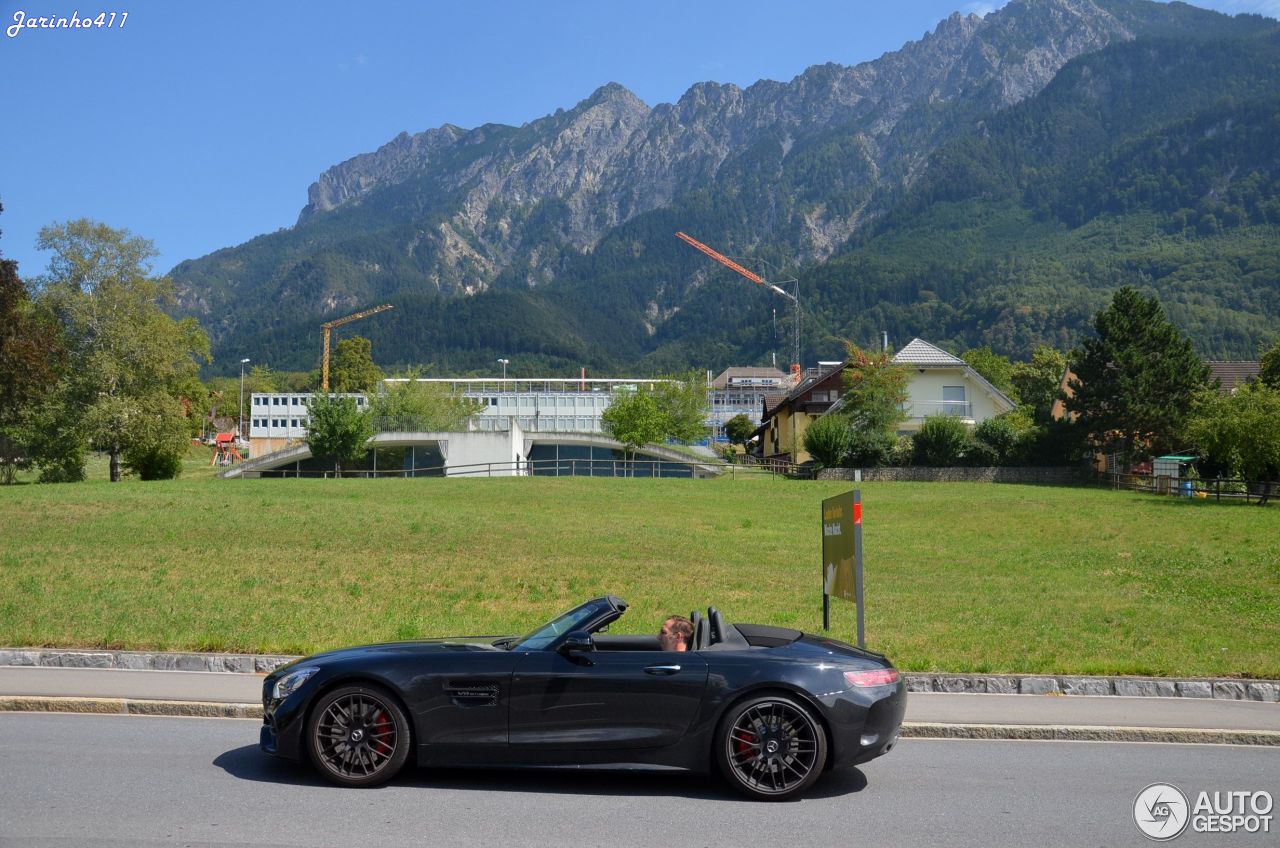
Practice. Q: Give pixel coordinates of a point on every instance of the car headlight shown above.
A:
(289, 684)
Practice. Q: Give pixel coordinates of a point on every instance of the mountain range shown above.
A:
(990, 183)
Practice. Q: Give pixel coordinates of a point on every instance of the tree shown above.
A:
(156, 440)
(1135, 380)
(875, 388)
(261, 379)
(828, 440)
(941, 441)
(353, 366)
(123, 350)
(1037, 381)
(1239, 431)
(338, 429)
(997, 369)
(739, 429)
(423, 407)
(30, 353)
(633, 418)
(682, 400)
(1269, 367)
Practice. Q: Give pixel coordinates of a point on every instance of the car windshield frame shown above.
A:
(578, 618)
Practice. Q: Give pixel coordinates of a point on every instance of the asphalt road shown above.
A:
(921, 707)
(80, 780)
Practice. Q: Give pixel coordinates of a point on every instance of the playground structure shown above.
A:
(224, 450)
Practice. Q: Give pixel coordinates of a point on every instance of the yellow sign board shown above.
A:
(841, 526)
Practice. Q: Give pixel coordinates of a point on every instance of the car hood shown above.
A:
(420, 646)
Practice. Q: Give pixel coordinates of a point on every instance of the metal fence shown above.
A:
(1217, 488)
(525, 468)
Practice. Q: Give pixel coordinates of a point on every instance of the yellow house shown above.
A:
(787, 416)
(939, 384)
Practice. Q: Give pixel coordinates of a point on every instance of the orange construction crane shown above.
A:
(328, 326)
(756, 278)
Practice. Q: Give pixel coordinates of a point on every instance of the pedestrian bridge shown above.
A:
(506, 453)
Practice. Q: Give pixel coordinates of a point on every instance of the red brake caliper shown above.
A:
(744, 741)
(382, 725)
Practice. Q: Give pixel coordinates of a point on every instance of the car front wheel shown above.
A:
(358, 736)
(771, 747)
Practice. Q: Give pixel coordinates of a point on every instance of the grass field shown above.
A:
(960, 577)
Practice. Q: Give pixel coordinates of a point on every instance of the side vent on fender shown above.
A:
(472, 693)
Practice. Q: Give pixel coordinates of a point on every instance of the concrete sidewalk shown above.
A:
(934, 715)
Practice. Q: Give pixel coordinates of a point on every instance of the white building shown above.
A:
(539, 405)
(279, 419)
(942, 384)
(741, 391)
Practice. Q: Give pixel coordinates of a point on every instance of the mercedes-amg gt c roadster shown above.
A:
(770, 708)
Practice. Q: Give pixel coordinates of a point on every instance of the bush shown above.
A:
(941, 441)
(157, 440)
(828, 440)
(869, 449)
(902, 451)
(153, 462)
(995, 441)
(981, 455)
(1054, 443)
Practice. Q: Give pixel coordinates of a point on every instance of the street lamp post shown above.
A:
(504, 373)
(240, 429)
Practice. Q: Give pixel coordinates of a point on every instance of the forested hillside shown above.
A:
(1153, 162)
(992, 183)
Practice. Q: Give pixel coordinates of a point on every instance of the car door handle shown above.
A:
(662, 669)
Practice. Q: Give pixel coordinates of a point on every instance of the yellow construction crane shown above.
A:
(328, 326)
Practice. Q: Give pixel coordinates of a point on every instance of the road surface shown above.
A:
(83, 780)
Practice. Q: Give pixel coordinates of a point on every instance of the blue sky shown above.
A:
(200, 125)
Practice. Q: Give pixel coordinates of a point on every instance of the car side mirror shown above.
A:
(578, 641)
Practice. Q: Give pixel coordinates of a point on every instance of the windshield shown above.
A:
(575, 619)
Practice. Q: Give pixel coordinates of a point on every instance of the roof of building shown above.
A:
(811, 378)
(740, 373)
(1232, 374)
(920, 352)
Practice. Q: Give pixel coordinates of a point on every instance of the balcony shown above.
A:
(921, 409)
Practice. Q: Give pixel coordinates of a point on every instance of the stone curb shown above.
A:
(142, 660)
(1140, 687)
(127, 706)
(910, 730)
(1089, 733)
(981, 684)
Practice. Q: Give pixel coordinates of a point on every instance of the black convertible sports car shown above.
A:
(772, 708)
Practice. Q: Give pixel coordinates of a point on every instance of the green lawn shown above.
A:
(959, 577)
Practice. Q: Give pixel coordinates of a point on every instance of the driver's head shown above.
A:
(675, 633)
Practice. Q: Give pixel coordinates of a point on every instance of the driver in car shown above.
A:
(675, 634)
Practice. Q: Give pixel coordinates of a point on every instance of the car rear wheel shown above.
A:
(358, 736)
(771, 747)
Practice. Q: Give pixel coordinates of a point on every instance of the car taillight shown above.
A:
(872, 677)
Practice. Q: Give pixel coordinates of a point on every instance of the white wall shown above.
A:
(924, 396)
(478, 449)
